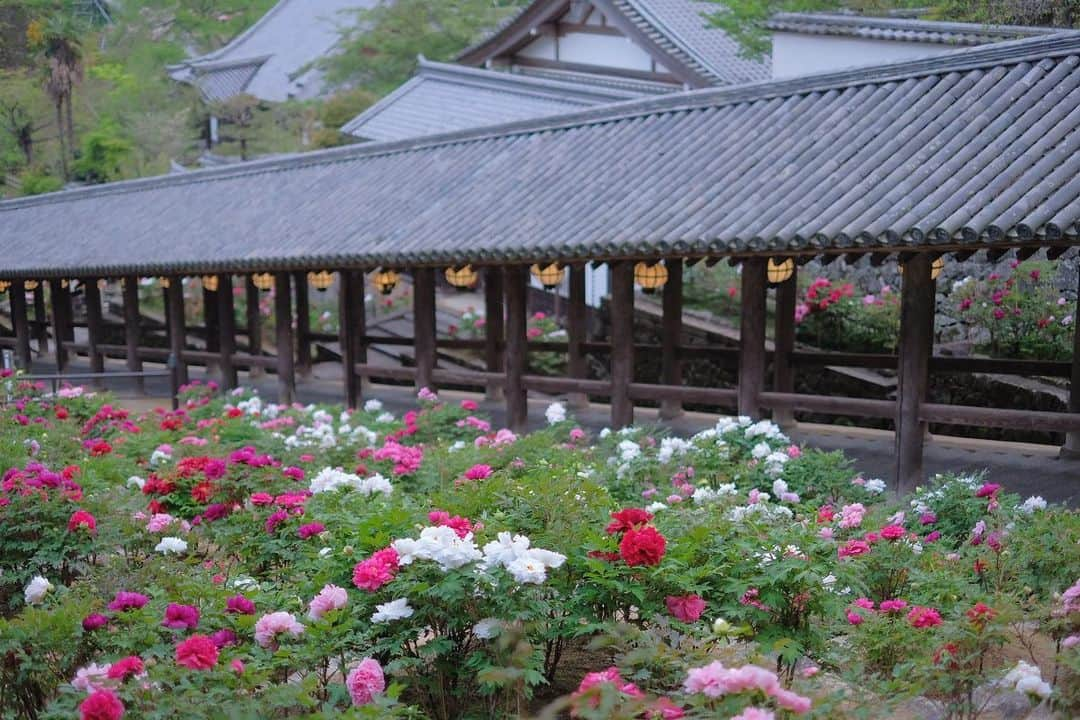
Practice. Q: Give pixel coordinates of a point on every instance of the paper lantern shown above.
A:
(210, 282)
(650, 277)
(461, 278)
(263, 281)
(778, 272)
(321, 280)
(385, 281)
(550, 276)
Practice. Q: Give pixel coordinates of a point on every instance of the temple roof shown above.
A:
(901, 29)
(968, 150)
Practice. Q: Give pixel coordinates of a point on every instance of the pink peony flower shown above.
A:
(365, 681)
(478, 472)
(892, 532)
(310, 530)
(224, 638)
(469, 405)
(91, 678)
(987, 490)
(181, 617)
(893, 606)
(261, 498)
(851, 516)
(237, 666)
(753, 713)
(331, 597)
(239, 605)
(101, 705)
(923, 617)
(853, 548)
(198, 652)
(131, 666)
(269, 626)
(82, 520)
(854, 618)
(377, 570)
(687, 608)
(128, 601)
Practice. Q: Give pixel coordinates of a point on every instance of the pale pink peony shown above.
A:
(331, 597)
(269, 626)
(365, 681)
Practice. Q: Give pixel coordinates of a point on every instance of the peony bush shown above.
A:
(286, 561)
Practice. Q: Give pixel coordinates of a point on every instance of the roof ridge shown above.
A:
(674, 37)
(1006, 53)
(911, 23)
(513, 81)
(236, 41)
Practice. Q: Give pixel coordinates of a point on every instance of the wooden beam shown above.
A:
(622, 343)
(963, 255)
(253, 323)
(1024, 253)
(283, 327)
(878, 259)
(21, 321)
(995, 254)
(494, 328)
(1057, 251)
(351, 330)
(516, 359)
(94, 324)
(752, 337)
(303, 325)
(916, 344)
(828, 259)
(132, 328)
(174, 311)
(424, 326)
(671, 338)
(784, 343)
(226, 320)
(577, 334)
(61, 318)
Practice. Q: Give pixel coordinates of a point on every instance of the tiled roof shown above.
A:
(277, 52)
(443, 98)
(907, 30)
(960, 151)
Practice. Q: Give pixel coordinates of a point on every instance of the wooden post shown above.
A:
(94, 325)
(41, 323)
(61, 313)
(254, 324)
(1071, 448)
(303, 325)
(132, 328)
(226, 317)
(671, 337)
(576, 332)
(211, 326)
(784, 344)
(752, 337)
(21, 322)
(286, 370)
(352, 323)
(424, 325)
(916, 344)
(622, 343)
(174, 310)
(516, 349)
(494, 327)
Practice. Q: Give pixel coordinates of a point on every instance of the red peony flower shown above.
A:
(198, 652)
(61, 412)
(923, 617)
(687, 608)
(853, 548)
(981, 614)
(642, 547)
(101, 705)
(628, 519)
(82, 520)
(127, 667)
(892, 532)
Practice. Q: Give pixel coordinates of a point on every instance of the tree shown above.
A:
(21, 113)
(379, 51)
(57, 39)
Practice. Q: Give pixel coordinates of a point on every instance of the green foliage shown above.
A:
(103, 153)
(33, 183)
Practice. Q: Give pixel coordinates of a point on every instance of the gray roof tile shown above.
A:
(966, 149)
(901, 29)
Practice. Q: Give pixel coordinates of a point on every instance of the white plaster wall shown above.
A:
(795, 54)
(607, 50)
(542, 47)
(596, 284)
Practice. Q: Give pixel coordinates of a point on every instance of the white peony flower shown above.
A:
(876, 486)
(555, 413)
(375, 484)
(171, 546)
(373, 406)
(1027, 678)
(36, 590)
(528, 570)
(136, 481)
(487, 628)
(1033, 503)
(457, 446)
(394, 610)
(655, 507)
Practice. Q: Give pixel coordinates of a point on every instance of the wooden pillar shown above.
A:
(226, 321)
(254, 324)
(21, 322)
(671, 337)
(784, 344)
(41, 323)
(174, 311)
(303, 325)
(916, 345)
(352, 322)
(132, 328)
(283, 320)
(424, 325)
(494, 328)
(94, 325)
(576, 334)
(622, 343)
(516, 349)
(61, 313)
(752, 337)
(1072, 440)
(211, 326)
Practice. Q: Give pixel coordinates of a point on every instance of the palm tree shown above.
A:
(58, 40)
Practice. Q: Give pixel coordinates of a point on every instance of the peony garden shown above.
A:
(240, 558)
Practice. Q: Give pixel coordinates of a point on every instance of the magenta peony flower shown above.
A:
(125, 600)
(101, 705)
(331, 597)
(478, 472)
(198, 652)
(310, 530)
(987, 490)
(892, 532)
(181, 617)
(276, 519)
(239, 605)
(890, 606)
(687, 608)
(94, 621)
(261, 498)
(131, 666)
(923, 617)
(224, 637)
(365, 681)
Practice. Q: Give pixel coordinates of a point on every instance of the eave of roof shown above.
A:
(902, 29)
(1042, 72)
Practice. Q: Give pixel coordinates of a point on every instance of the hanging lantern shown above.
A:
(4, 285)
(210, 282)
(650, 277)
(321, 280)
(935, 268)
(462, 278)
(550, 276)
(102, 284)
(64, 284)
(778, 272)
(31, 285)
(263, 281)
(163, 282)
(385, 281)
